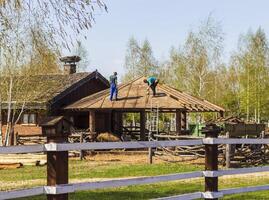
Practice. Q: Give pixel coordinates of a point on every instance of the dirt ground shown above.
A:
(140, 158)
(102, 157)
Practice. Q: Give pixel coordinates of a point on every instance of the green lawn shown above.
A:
(34, 176)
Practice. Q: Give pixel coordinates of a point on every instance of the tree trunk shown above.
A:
(1, 126)
(7, 135)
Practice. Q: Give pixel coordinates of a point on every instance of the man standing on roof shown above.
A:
(152, 83)
(113, 80)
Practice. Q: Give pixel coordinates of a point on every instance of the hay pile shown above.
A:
(107, 137)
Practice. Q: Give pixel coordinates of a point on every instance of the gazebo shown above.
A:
(107, 116)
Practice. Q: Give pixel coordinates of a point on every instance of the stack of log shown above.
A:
(30, 139)
(245, 155)
(239, 155)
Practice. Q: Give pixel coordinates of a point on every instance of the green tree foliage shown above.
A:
(251, 61)
(197, 67)
(139, 60)
(193, 67)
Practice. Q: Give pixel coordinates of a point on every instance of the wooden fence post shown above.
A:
(57, 129)
(16, 138)
(81, 140)
(228, 152)
(211, 158)
(150, 150)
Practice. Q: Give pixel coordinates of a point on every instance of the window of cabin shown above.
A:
(25, 118)
(32, 118)
(29, 118)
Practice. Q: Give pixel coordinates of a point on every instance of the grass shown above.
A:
(34, 176)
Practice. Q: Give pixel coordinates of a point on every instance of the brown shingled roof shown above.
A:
(133, 95)
(42, 89)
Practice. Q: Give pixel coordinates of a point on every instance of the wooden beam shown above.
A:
(120, 122)
(109, 125)
(183, 120)
(142, 125)
(117, 122)
(92, 121)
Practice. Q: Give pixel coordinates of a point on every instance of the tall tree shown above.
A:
(174, 71)
(252, 63)
(203, 50)
(139, 60)
(54, 22)
(194, 66)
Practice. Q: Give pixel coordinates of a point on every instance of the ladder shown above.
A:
(153, 128)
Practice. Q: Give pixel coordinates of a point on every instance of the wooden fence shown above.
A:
(57, 168)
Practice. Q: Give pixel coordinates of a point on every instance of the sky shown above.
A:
(166, 23)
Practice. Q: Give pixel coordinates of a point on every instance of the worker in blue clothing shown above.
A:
(113, 86)
(152, 83)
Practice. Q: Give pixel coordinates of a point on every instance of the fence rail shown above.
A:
(212, 175)
(123, 145)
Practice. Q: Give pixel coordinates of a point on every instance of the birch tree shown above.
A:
(139, 60)
(252, 63)
(54, 22)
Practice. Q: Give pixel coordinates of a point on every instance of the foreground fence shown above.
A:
(57, 187)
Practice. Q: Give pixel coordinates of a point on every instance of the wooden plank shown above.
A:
(193, 101)
(195, 195)
(120, 145)
(21, 193)
(234, 141)
(243, 171)
(22, 149)
(244, 190)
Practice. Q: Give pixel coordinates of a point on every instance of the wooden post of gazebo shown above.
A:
(119, 123)
(92, 122)
(110, 121)
(184, 120)
(142, 125)
(178, 122)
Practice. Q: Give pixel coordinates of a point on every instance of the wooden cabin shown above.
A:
(57, 91)
(107, 116)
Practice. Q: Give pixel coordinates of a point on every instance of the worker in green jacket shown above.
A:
(152, 83)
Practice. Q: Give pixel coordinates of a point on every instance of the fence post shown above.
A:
(228, 153)
(211, 158)
(81, 140)
(56, 129)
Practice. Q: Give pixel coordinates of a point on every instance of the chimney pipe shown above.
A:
(70, 66)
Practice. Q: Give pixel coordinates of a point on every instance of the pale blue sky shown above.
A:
(165, 23)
